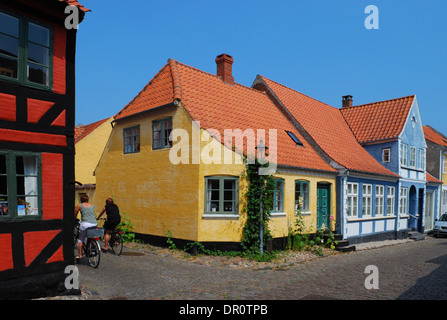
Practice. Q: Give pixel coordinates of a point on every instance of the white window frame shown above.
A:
(403, 154)
(386, 155)
(390, 201)
(366, 200)
(412, 157)
(352, 202)
(421, 156)
(403, 201)
(380, 196)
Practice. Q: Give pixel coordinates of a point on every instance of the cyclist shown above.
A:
(113, 219)
(87, 220)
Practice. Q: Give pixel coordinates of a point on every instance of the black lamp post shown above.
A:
(261, 147)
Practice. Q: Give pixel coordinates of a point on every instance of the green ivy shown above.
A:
(256, 184)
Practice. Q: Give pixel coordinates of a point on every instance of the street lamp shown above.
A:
(261, 147)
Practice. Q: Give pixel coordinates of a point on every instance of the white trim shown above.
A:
(220, 216)
(371, 218)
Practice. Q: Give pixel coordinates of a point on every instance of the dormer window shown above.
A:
(25, 51)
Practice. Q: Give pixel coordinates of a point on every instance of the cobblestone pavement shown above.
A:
(409, 270)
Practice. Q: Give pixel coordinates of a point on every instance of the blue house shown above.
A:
(367, 190)
(392, 132)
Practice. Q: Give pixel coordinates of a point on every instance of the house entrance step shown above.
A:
(416, 236)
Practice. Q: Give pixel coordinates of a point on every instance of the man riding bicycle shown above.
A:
(113, 219)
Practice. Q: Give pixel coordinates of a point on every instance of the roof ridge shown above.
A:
(175, 80)
(377, 102)
(215, 76)
(142, 90)
(280, 84)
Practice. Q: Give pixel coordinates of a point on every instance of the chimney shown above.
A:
(224, 64)
(346, 101)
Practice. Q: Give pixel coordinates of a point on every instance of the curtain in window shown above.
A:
(31, 185)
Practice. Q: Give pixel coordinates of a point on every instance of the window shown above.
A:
(380, 194)
(386, 155)
(444, 201)
(390, 201)
(367, 200)
(403, 154)
(353, 199)
(278, 196)
(413, 157)
(25, 50)
(221, 195)
(294, 138)
(403, 201)
(20, 185)
(131, 138)
(421, 160)
(301, 196)
(161, 130)
(444, 163)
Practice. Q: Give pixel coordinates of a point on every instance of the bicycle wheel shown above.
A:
(116, 243)
(93, 253)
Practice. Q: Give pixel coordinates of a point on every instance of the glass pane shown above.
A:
(20, 185)
(214, 195)
(9, 46)
(8, 67)
(38, 74)
(2, 163)
(213, 184)
(4, 211)
(214, 206)
(38, 54)
(228, 195)
(31, 206)
(9, 25)
(39, 34)
(3, 186)
(228, 206)
(229, 184)
(26, 165)
(157, 126)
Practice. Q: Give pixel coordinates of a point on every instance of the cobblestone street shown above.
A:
(412, 270)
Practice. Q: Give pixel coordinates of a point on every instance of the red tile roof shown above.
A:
(326, 125)
(218, 105)
(430, 178)
(84, 130)
(75, 3)
(433, 136)
(378, 121)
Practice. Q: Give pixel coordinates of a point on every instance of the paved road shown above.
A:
(414, 270)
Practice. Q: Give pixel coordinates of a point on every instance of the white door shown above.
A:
(429, 210)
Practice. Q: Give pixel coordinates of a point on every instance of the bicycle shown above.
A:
(116, 240)
(91, 248)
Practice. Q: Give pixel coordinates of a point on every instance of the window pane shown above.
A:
(9, 46)
(38, 74)
(9, 25)
(8, 67)
(39, 34)
(26, 165)
(4, 211)
(2, 163)
(228, 206)
(229, 184)
(38, 54)
(214, 195)
(214, 206)
(3, 186)
(229, 195)
(213, 184)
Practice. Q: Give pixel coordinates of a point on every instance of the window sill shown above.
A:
(278, 214)
(222, 216)
(370, 218)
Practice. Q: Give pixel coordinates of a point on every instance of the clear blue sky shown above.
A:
(320, 48)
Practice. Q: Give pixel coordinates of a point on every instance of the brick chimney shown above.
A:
(346, 101)
(224, 64)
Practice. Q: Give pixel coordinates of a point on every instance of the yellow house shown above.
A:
(90, 141)
(174, 163)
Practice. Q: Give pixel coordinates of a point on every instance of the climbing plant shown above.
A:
(255, 185)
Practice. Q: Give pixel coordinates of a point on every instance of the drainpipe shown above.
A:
(343, 220)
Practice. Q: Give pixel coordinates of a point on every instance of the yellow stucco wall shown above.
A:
(158, 195)
(88, 152)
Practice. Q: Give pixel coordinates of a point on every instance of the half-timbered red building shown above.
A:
(37, 119)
